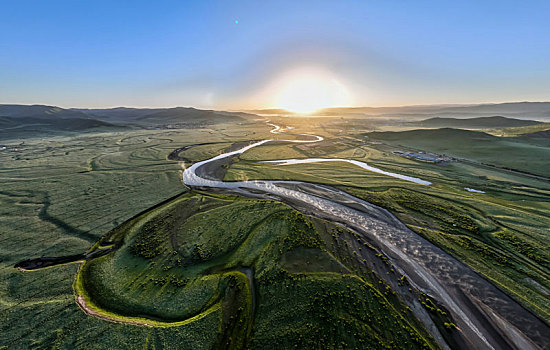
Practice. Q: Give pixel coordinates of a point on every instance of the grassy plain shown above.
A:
(520, 130)
(58, 196)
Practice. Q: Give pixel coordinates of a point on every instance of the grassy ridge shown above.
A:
(474, 123)
(520, 130)
(203, 248)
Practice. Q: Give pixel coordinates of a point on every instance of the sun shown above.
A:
(305, 90)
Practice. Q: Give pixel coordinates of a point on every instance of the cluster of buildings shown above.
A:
(424, 157)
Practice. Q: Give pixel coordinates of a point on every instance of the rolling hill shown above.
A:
(118, 113)
(18, 122)
(538, 130)
(474, 123)
(176, 115)
(39, 111)
(25, 121)
(521, 110)
(521, 154)
(182, 115)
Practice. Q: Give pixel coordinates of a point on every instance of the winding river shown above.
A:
(486, 317)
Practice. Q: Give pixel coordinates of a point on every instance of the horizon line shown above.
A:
(232, 109)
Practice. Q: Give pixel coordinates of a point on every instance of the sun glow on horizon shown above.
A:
(305, 90)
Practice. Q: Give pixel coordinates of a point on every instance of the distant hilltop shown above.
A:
(520, 110)
(27, 121)
(118, 114)
(474, 123)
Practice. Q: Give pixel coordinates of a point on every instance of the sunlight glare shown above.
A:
(306, 90)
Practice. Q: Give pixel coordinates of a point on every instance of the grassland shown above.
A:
(58, 196)
(63, 195)
(522, 154)
(501, 233)
(190, 258)
(520, 130)
(474, 123)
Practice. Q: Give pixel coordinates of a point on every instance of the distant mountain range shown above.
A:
(175, 114)
(122, 115)
(22, 121)
(18, 121)
(473, 123)
(39, 111)
(119, 113)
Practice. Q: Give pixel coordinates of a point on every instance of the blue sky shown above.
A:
(178, 53)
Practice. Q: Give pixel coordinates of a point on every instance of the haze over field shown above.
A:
(274, 175)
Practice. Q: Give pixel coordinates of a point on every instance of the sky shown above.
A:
(265, 54)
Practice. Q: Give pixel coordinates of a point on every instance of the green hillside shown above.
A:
(528, 131)
(29, 121)
(20, 122)
(521, 154)
(181, 115)
(474, 123)
(39, 111)
(267, 278)
(28, 127)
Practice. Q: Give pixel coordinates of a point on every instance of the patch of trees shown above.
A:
(149, 240)
(173, 280)
(451, 217)
(302, 233)
(342, 313)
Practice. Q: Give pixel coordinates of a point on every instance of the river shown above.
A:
(486, 317)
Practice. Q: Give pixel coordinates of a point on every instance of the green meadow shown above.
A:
(59, 196)
(197, 270)
(501, 233)
(259, 270)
